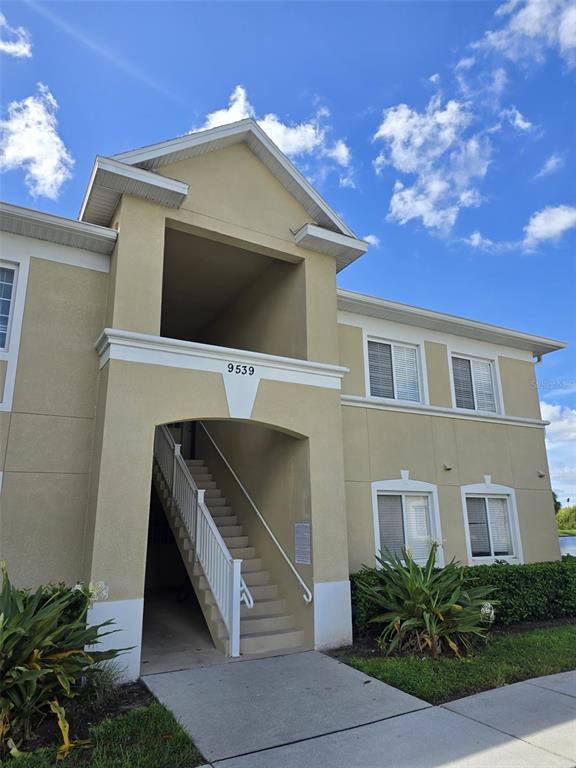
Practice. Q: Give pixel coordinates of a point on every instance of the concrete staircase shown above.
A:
(267, 626)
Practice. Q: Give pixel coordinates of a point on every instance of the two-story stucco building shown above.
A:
(188, 397)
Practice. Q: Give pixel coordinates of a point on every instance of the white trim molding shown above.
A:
(111, 179)
(332, 614)
(403, 485)
(127, 616)
(344, 248)
(241, 370)
(405, 406)
(55, 229)
(488, 488)
(21, 262)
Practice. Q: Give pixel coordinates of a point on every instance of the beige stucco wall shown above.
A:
(378, 444)
(45, 442)
(438, 374)
(350, 341)
(3, 367)
(519, 387)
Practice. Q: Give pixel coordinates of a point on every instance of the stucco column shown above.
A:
(321, 309)
(135, 299)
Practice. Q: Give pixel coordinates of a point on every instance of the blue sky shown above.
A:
(442, 130)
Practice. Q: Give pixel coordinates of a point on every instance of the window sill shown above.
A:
(512, 560)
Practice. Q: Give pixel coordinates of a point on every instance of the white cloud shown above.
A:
(435, 147)
(435, 78)
(551, 165)
(14, 41)
(561, 445)
(476, 240)
(533, 27)
(309, 138)
(551, 223)
(516, 119)
(372, 240)
(29, 140)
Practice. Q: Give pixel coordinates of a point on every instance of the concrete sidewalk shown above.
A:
(309, 710)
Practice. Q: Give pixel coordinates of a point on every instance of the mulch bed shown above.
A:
(81, 717)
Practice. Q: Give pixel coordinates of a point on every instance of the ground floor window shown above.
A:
(489, 526)
(491, 522)
(404, 522)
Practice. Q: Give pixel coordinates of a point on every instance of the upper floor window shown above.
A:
(474, 384)
(7, 284)
(489, 526)
(393, 370)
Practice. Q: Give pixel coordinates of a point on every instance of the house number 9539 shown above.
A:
(242, 370)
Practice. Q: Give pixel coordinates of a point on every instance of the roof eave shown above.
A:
(372, 306)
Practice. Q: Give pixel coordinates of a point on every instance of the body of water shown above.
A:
(568, 545)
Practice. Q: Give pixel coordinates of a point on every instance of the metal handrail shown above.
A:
(307, 594)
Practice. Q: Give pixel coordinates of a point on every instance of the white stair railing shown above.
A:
(221, 570)
(307, 595)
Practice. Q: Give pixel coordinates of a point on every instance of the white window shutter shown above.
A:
(380, 369)
(500, 527)
(406, 373)
(417, 516)
(484, 386)
(391, 523)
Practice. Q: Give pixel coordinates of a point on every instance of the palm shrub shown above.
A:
(43, 635)
(425, 609)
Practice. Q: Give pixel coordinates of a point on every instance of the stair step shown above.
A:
(212, 494)
(264, 592)
(250, 564)
(256, 578)
(272, 641)
(223, 520)
(219, 511)
(213, 501)
(195, 462)
(259, 624)
(235, 541)
(242, 553)
(228, 531)
(263, 608)
(206, 485)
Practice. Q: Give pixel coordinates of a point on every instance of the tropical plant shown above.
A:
(43, 636)
(427, 609)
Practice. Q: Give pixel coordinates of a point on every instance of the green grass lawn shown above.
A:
(566, 531)
(505, 659)
(147, 737)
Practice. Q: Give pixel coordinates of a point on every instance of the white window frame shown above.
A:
(488, 488)
(400, 487)
(498, 400)
(14, 267)
(21, 264)
(420, 367)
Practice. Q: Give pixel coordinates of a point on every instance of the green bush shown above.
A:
(424, 609)
(566, 517)
(42, 658)
(531, 592)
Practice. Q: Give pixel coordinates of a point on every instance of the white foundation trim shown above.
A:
(332, 614)
(127, 615)
(241, 370)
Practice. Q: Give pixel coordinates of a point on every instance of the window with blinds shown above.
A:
(7, 277)
(393, 370)
(404, 522)
(489, 526)
(473, 384)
